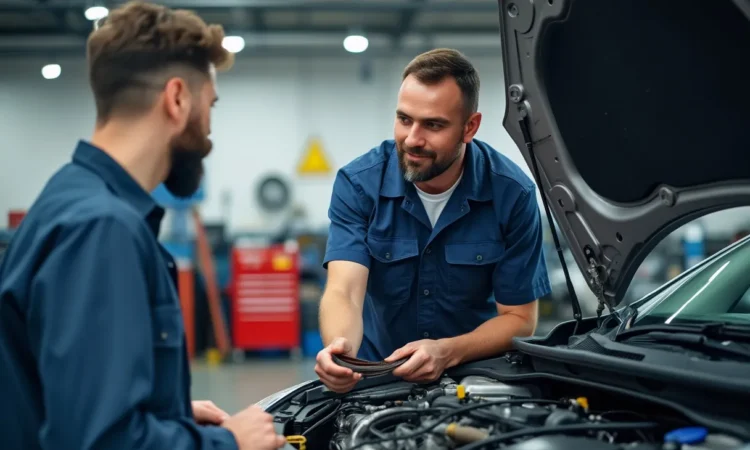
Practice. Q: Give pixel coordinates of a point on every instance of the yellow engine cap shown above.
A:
(583, 402)
(460, 391)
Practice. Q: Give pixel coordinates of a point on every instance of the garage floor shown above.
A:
(234, 386)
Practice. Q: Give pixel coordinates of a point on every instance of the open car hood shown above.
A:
(636, 115)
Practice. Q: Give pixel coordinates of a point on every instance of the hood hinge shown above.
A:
(596, 274)
(598, 289)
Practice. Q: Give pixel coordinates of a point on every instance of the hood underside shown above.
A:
(638, 116)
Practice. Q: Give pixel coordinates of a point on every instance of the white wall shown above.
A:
(268, 110)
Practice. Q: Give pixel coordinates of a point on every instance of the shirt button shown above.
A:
(426, 334)
(426, 292)
(164, 335)
(170, 265)
(429, 250)
(387, 256)
(479, 257)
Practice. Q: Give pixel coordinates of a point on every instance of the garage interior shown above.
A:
(314, 86)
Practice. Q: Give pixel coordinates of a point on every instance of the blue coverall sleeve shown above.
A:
(521, 276)
(92, 333)
(348, 228)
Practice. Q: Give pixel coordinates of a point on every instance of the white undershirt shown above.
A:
(434, 203)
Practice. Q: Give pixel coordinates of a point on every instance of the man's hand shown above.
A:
(253, 430)
(336, 378)
(206, 413)
(427, 360)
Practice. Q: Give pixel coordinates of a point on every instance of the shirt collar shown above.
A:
(474, 185)
(120, 182)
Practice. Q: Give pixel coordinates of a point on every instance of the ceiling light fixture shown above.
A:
(96, 12)
(51, 71)
(356, 43)
(233, 44)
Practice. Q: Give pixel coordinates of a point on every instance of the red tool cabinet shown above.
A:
(265, 297)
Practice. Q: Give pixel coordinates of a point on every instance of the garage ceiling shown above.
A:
(272, 27)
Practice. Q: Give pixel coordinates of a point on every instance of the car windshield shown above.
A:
(718, 291)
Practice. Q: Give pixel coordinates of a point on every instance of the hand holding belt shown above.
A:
(368, 369)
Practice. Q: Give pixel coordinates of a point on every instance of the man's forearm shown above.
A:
(489, 339)
(340, 317)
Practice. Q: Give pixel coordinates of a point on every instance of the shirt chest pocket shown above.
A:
(393, 268)
(167, 329)
(468, 274)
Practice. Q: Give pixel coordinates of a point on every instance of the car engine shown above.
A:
(476, 412)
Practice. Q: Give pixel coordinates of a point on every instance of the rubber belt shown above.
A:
(368, 369)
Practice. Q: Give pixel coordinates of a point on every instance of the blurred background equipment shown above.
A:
(273, 193)
(265, 297)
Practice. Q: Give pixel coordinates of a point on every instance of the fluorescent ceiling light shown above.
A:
(356, 43)
(51, 71)
(233, 44)
(96, 13)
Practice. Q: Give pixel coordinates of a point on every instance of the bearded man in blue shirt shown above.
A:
(435, 243)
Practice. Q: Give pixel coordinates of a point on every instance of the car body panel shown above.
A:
(637, 116)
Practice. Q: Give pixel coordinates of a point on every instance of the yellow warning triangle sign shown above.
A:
(314, 160)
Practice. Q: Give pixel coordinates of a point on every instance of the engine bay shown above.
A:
(479, 412)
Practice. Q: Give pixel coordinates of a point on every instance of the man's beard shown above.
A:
(414, 174)
(187, 152)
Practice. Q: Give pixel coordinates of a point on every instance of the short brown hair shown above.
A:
(435, 65)
(139, 46)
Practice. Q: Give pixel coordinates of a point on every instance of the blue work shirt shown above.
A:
(439, 282)
(92, 346)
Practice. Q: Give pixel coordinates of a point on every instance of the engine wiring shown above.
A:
(323, 420)
(614, 426)
(482, 414)
(454, 413)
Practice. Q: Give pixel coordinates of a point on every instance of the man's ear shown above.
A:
(472, 126)
(177, 101)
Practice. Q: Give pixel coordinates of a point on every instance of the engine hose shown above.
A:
(451, 403)
(447, 416)
(463, 435)
(365, 424)
(399, 416)
(533, 432)
(433, 394)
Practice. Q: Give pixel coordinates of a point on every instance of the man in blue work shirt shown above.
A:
(424, 230)
(92, 346)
